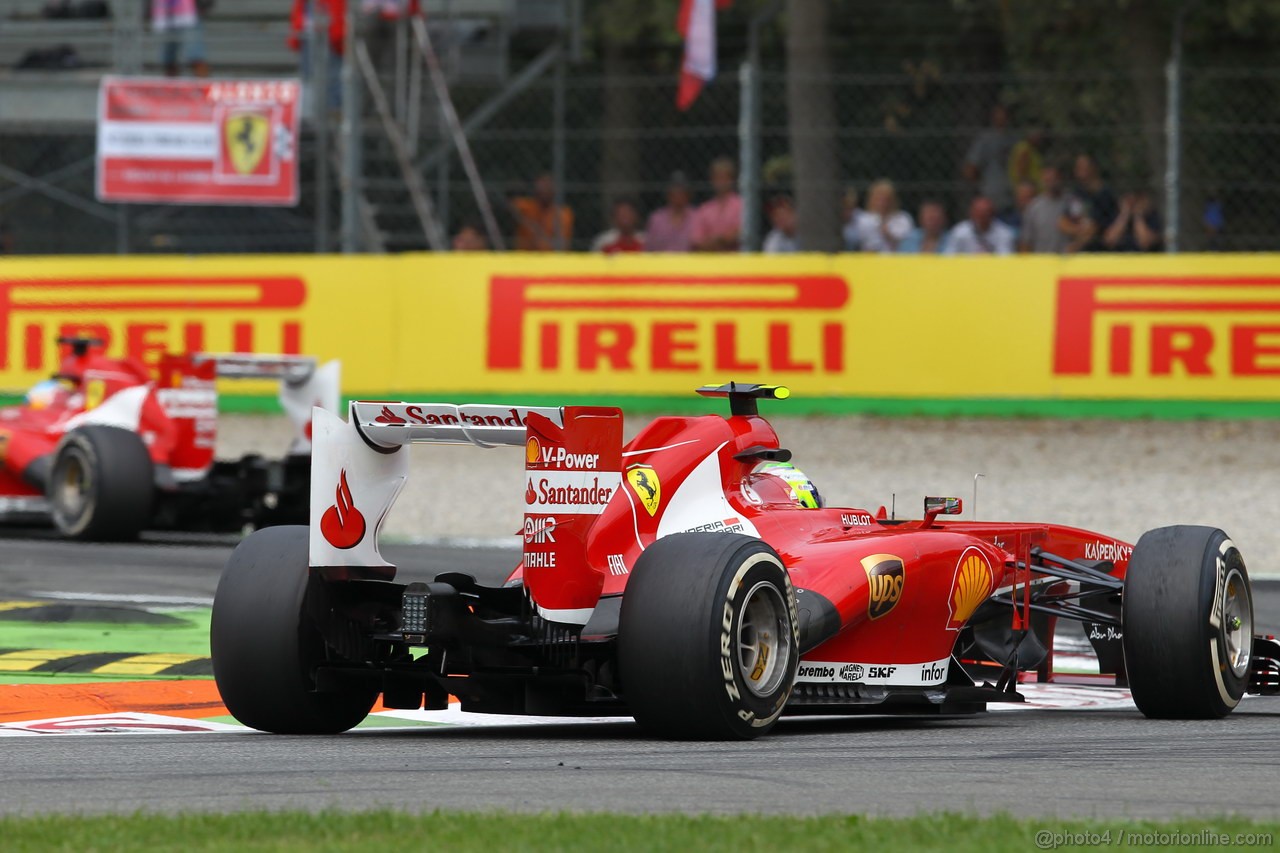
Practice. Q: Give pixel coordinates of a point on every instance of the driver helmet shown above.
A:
(801, 488)
(44, 393)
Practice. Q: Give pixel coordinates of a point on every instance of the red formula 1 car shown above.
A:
(105, 449)
(694, 579)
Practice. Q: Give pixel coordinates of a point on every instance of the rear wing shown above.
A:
(573, 457)
(187, 387)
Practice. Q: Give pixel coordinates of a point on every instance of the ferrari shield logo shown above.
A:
(643, 480)
(247, 137)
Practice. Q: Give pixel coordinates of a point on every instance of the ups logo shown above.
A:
(885, 579)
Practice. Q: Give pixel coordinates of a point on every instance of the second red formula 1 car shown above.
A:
(106, 448)
(695, 580)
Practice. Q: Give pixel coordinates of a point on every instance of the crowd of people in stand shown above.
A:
(1022, 202)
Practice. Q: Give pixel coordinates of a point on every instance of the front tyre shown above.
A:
(1188, 623)
(708, 641)
(265, 646)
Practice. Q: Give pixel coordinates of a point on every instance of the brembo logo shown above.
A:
(1152, 326)
(689, 324)
(144, 316)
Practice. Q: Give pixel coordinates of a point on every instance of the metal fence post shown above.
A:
(560, 240)
(749, 97)
(128, 60)
(1173, 135)
(351, 137)
(749, 153)
(319, 84)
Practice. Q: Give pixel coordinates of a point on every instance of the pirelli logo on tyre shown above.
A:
(668, 324)
(1195, 328)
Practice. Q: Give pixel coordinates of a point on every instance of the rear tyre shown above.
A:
(266, 647)
(1188, 623)
(708, 642)
(102, 484)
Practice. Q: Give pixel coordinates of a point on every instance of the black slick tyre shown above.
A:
(101, 485)
(708, 643)
(266, 647)
(1188, 623)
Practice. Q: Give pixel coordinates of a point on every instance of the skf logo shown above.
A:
(643, 480)
(970, 587)
(1150, 326)
(775, 325)
(342, 525)
(885, 578)
(143, 317)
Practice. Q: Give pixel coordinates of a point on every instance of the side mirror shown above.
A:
(943, 506)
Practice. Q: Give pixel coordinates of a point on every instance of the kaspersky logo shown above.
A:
(144, 316)
(1200, 327)
(778, 325)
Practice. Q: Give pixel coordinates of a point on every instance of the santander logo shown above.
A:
(389, 417)
(342, 525)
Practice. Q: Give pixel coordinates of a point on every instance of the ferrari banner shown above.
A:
(1189, 333)
(198, 142)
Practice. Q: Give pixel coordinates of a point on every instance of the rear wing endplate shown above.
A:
(305, 383)
(358, 469)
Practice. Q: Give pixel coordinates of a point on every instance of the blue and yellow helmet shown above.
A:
(802, 489)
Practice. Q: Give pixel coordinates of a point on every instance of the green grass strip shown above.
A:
(1012, 407)
(453, 831)
(190, 636)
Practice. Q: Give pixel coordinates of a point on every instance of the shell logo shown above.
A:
(969, 588)
(532, 450)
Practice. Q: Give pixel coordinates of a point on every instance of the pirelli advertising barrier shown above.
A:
(1196, 334)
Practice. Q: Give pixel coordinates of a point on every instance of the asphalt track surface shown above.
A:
(1033, 762)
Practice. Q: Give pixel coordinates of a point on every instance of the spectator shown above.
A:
(882, 226)
(717, 223)
(781, 239)
(1137, 226)
(930, 237)
(1023, 194)
(178, 21)
(987, 162)
(670, 228)
(981, 233)
(1091, 208)
(625, 235)
(1041, 221)
(540, 225)
(1214, 221)
(850, 212)
(300, 29)
(470, 238)
(1026, 160)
